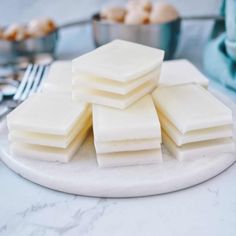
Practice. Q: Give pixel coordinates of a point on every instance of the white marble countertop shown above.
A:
(206, 209)
(28, 209)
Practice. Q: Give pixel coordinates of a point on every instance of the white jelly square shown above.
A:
(46, 114)
(139, 121)
(119, 60)
(191, 107)
(181, 71)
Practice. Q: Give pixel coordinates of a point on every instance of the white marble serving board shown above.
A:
(82, 176)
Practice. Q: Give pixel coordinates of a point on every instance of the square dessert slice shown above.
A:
(181, 71)
(139, 121)
(116, 74)
(191, 107)
(119, 60)
(127, 137)
(198, 149)
(47, 114)
(48, 128)
(130, 158)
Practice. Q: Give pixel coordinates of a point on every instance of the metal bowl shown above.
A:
(163, 36)
(28, 47)
(37, 45)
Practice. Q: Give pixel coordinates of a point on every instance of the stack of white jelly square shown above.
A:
(48, 128)
(194, 123)
(116, 74)
(127, 137)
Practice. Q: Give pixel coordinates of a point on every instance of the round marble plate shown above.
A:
(82, 176)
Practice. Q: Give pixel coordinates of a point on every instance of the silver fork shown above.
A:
(30, 83)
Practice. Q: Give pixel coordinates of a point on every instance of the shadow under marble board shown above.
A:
(82, 176)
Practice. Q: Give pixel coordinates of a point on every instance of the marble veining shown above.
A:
(77, 220)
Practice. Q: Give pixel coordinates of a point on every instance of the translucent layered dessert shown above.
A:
(191, 117)
(48, 128)
(116, 74)
(127, 137)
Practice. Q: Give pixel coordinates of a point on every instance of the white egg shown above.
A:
(145, 5)
(14, 32)
(114, 14)
(163, 13)
(40, 27)
(137, 17)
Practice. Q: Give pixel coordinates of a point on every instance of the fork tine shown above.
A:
(43, 77)
(37, 80)
(28, 86)
(23, 83)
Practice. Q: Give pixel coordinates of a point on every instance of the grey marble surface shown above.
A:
(28, 209)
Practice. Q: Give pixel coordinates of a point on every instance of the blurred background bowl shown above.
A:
(10, 50)
(45, 44)
(163, 36)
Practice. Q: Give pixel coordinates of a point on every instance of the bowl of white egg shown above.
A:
(156, 25)
(37, 36)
